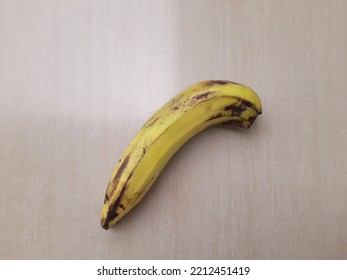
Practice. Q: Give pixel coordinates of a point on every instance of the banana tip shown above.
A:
(104, 225)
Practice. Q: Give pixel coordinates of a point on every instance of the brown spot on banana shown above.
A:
(106, 198)
(231, 123)
(112, 215)
(236, 109)
(150, 123)
(203, 95)
(113, 207)
(251, 106)
(219, 82)
(251, 120)
(115, 180)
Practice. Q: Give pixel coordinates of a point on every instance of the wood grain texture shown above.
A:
(78, 79)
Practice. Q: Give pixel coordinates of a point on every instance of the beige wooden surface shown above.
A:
(78, 79)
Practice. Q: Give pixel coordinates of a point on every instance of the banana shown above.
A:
(198, 107)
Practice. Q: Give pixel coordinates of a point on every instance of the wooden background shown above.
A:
(78, 79)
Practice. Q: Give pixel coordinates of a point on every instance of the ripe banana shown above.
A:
(200, 106)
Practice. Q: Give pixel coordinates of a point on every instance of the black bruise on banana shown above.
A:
(203, 95)
(251, 120)
(113, 207)
(236, 109)
(106, 198)
(118, 174)
(249, 104)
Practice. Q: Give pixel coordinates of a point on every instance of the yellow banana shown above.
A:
(200, 106)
